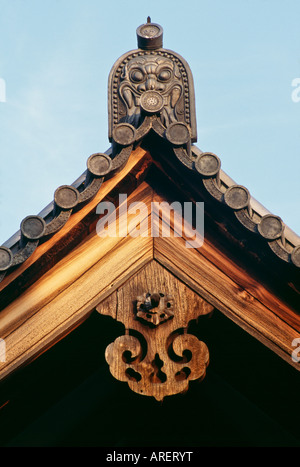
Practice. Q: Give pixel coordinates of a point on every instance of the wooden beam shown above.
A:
(66, 295)
(226, 264)
(139, 160)
(228, 297)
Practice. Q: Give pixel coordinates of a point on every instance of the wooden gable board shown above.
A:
(67, 292)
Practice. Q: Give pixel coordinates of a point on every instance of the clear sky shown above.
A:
(55, 57)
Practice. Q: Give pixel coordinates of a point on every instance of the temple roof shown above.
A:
(250, 214)
(249, 264)
(151, 91)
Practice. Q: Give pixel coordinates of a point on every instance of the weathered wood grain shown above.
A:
(139, 158)
(65, 295)
(69, 292)
(157, 360)
(227, 296)
(234, 271)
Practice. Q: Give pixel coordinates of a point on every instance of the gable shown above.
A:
(67, 292)
(177, 288)
(67, 396)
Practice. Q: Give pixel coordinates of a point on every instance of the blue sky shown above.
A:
(55, 57)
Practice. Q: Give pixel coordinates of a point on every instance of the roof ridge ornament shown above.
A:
(151, 88)
(149, 35)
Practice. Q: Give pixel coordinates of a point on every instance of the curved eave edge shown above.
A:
(35, 230)
(248, 211)
(255, 218)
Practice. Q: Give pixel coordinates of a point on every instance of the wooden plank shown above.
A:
(64, 296)
(240, 276)
(279, 277)
(158, 365)
(137, 158)
(66, 272)
(227, 296)
(73, 305)
(67, 293)
(235, 272)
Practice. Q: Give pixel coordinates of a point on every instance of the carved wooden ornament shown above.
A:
(156, 356)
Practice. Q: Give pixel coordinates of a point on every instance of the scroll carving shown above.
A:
(157, 356)
(164, 370)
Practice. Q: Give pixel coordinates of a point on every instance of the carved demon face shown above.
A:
(157, 76)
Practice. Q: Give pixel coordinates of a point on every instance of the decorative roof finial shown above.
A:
(151, 89)
(149, 36)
